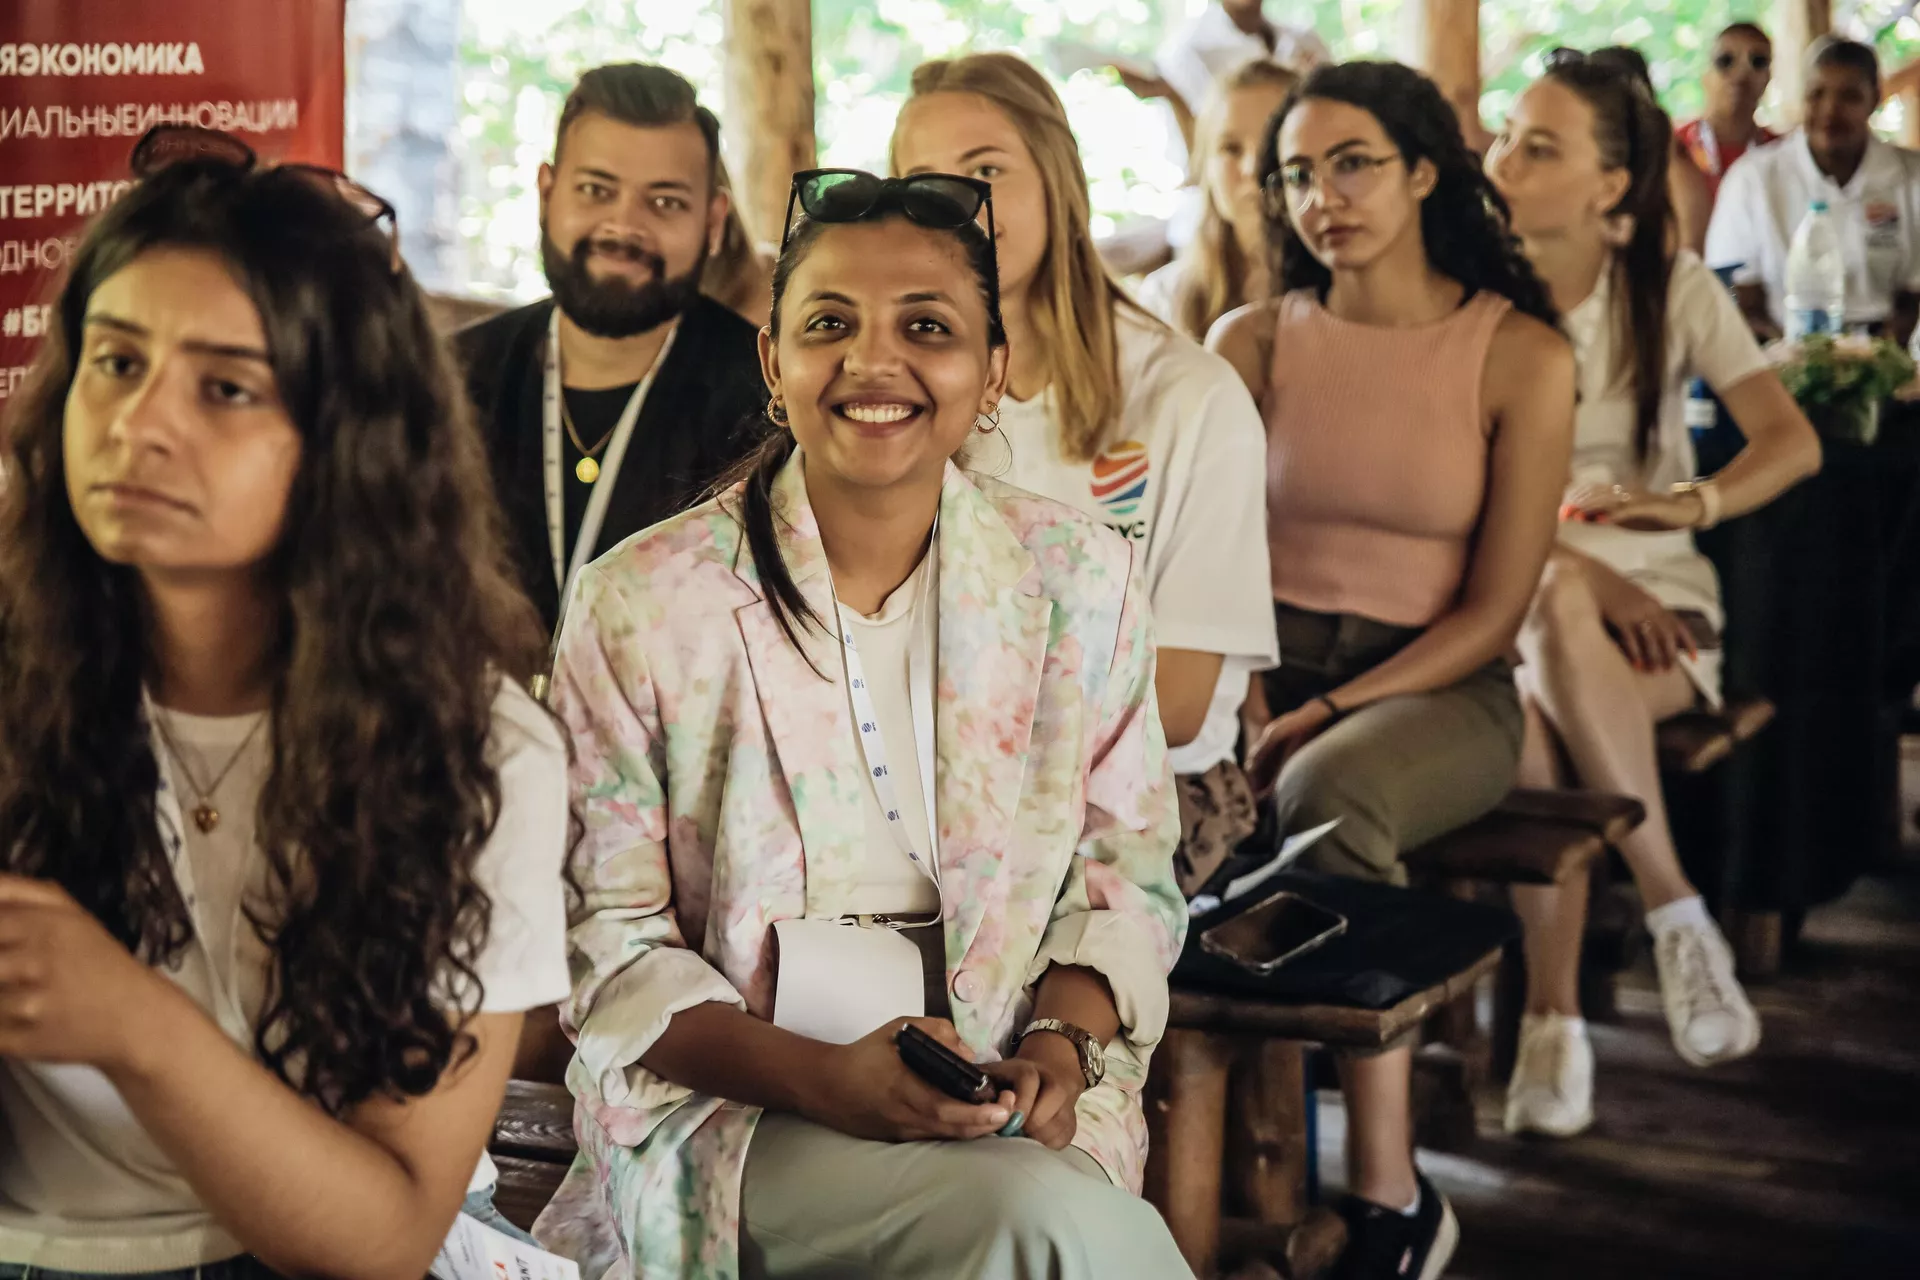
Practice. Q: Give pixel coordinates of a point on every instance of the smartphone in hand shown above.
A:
(942, 1068)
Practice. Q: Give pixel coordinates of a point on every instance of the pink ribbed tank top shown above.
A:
(1376, 458)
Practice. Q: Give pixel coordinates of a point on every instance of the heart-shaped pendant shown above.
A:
(206, 817)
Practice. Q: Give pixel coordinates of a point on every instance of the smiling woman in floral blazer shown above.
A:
(724, 773)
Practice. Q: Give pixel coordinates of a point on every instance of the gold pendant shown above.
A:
(206, 817)
(587, 469)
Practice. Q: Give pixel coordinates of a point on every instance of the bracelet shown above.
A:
(1709, 494)
(1333, 708)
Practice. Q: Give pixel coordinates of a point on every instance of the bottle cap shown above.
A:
(1819, 206)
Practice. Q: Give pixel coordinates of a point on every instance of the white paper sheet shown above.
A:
(475, 1251)
(1290, 850)
(837, 981)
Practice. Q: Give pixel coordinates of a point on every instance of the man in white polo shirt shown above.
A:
(1872, 187)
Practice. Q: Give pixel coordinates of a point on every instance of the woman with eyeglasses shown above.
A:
(1418, 403)
(1111, 411)
(1625, 630)
(281, 834)
(867, 753)
(1225, 266)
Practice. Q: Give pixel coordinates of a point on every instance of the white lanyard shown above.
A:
(873, 744)
(1710, 144)
(564, 571)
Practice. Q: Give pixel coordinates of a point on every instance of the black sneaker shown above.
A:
(1385, 1244)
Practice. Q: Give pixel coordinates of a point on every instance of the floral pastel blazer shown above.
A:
(721, 788)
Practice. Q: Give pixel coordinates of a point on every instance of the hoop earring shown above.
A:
(989, 422)
(777, 411)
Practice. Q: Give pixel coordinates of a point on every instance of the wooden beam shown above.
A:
(769, 125)
(1445, 43)
(1796, 25)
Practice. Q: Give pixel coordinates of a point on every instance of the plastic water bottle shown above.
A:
(1816, 277)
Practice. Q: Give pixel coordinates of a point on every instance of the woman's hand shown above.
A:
(1282, 737)
(69, 992)
(1641, 512)
(866, 1091)
(1046, 1081)
(1652, 635)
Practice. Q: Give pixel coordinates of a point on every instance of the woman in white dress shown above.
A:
(1625, 629)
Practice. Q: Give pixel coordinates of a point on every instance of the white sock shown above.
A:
(1578, 1023)
(1683, 911)
(1412, 1210)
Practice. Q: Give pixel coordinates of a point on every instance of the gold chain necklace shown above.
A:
(205, 815)
(588, 468)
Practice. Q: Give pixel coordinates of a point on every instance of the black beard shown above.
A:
(614, 308)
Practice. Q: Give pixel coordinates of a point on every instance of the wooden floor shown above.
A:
(1802, 1161)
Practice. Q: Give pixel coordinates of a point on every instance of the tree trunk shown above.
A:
(1444, 42)
(769, 128)
(1796, 25)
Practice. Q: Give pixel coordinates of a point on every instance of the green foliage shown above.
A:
(1822, 374)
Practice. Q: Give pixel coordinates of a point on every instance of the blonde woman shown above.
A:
(1111, 411)
(1226, 265)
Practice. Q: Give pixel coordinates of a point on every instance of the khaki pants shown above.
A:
(1399, 772)
(819, 1205)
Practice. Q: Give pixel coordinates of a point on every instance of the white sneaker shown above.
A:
(1707, 1011)
(1552, 1087)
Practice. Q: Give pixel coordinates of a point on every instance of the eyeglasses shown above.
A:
(1351, 175)
(942, 201)
(1757, 61)
(166, 145)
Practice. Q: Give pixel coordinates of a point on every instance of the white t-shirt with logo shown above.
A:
(82, 1185)
(1185, 479)
(1766, 195)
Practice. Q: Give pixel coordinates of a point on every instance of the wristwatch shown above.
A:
(1093, 1059)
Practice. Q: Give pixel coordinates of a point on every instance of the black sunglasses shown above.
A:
(942, 201)
(1757, 61)
(166, 145)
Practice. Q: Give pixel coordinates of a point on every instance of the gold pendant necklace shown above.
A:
(587, 470)
(205, 816)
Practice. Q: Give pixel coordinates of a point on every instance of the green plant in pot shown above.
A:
(1840, 383)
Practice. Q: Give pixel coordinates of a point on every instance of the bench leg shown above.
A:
(1267, 1142)
(1758, 939)
(1187, 1121)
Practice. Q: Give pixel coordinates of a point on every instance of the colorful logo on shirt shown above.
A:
(1882, 213)
(1120, 478)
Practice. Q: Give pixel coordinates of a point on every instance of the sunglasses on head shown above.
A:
(942, 201)
(1757, 61)
(166, 145)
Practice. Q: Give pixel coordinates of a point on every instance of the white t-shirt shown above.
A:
(1766, 195)
(1706, 338)
(1203, 52)
(1186, 481)
(82, 1186)
(889, 883)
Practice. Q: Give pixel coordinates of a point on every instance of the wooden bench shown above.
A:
(1695, 741)
(1533, 837)
(532, 1146)
(1232, 1055)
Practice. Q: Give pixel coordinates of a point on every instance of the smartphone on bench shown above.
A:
(1270, 933)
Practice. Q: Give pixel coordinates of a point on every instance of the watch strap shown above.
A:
(1093, 1063)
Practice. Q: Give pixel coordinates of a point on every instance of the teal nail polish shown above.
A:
(1011, 1129)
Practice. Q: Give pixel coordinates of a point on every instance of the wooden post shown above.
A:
(1796, 25)
(769, 124)
(1186, 1128)
(1444, 42)
(1267, 1141)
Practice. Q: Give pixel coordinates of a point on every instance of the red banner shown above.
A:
(81, 80)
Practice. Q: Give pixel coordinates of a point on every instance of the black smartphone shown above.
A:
(942, 1068)
(1267, 935)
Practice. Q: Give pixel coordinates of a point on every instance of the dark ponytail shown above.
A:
(1634, 134)
(755, 474)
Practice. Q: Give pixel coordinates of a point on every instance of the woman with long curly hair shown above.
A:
(281, 836)
(1419, 407)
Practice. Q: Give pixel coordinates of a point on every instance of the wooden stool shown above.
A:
(1695, 741)
(532, 1147)
(1245, 1057)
